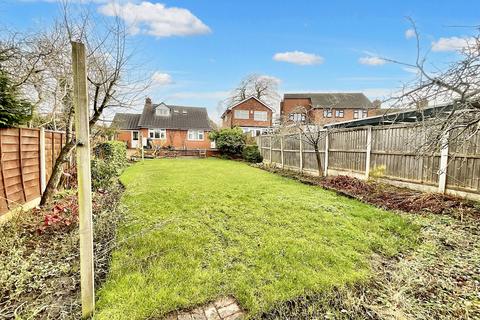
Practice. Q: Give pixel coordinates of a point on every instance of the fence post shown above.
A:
(281, 150)
(325, 170)
(43, 171)
(301, 152)
(84, 178)
(270, 149)
(369, 151)
(442, 170)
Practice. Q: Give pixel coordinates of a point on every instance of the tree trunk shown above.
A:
(319, 161)
(57, 172)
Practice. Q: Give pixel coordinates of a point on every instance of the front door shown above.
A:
(135, 135)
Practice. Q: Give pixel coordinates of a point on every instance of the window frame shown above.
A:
(262, 112)
(297, 116)
(237, 112)
(162, 134)
(360, 114)
(339, 113)
(327, 113)
(196, 135)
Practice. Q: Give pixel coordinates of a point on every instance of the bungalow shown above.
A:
(165, 125)
(251, 115)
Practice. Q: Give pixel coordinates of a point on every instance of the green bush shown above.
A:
(252, 154)
(229, 141)
(109, 162)
(14, 110)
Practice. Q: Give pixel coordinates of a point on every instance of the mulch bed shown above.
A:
(390, 197)
(39, 256)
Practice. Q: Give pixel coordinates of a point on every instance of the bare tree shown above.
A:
(454, 90)
(46, 74)
(305, 127)
(264, 88)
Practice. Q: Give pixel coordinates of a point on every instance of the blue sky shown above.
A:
(199, 50)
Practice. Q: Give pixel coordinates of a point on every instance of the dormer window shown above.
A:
(162, 111)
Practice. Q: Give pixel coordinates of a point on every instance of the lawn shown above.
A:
(199, 229)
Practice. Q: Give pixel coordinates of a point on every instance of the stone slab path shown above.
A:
(225, 308)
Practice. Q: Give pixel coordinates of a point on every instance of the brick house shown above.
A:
(324, 108)
(251, 115)
(165, 125)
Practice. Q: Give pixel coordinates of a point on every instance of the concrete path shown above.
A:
(225, 308)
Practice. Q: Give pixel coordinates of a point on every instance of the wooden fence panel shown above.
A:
(396, 152)
(20, 172)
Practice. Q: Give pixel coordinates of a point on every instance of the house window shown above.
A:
(157, 134)
(260, 116)
(241, 114)
(162, 111)
(359, 114)
(297, 117)
(327, 113)
(195, 135)
(339, 113)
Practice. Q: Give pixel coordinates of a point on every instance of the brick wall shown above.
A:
(251, 105)
(176, 138)
(291, 105)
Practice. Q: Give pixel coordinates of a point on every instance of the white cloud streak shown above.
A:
(161, 79)
(372, 61)
(155, 19)
(451, 44)
(298, 57)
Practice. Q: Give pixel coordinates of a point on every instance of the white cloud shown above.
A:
(411, 70)
(451, 44)
(156, 19)
(372, 61)
(161, 79)
(410, 33)
(298, 57)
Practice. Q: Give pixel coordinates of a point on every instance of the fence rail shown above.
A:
(27, 157)
(389, 153)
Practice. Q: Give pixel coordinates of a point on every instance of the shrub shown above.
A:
(229, 141)
(13, 110)
(252, 154)
(109, 162)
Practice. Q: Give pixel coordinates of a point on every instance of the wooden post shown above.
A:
(369, 151)
(270, 149)
(281, 150)
(301, 152)
(325, 170)
(43, 171)
(442, 170)
(84, 178)
(141, 147)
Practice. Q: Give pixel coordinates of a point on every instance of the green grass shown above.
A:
(198, 229)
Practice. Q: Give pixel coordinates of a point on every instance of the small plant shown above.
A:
(378, 172)
(252, 154)
(109, 162)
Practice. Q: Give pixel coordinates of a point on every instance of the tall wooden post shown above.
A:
(442, 170)
(369, 152)
(281, 151)
(43, 171)
(325, 170)
(270, 149)
(301, 152)
(84, 178)
(141, 147)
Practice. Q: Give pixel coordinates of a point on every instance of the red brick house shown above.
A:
(165, 125)
(251, 115)
(324, 108)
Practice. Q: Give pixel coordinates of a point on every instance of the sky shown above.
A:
(198, 51)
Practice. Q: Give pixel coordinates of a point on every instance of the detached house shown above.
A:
(324, 108)
(251, 115)
(164, 125)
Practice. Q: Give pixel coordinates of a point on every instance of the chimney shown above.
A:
(377, 104)
(148, 101)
